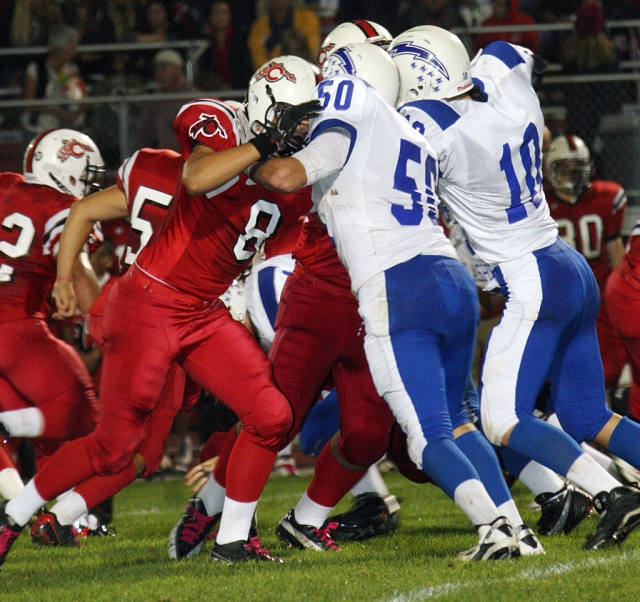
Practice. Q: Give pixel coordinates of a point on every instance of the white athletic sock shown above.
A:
(605, 461)
(286, 451)
(472, 498)
(510, 511)
(28, 422)
(236, 521)
(307, 512)
(371, 482)
(587, 474)
(22, 507)
(212, 496)
(10, 483)
(540, 479)
(70, 508)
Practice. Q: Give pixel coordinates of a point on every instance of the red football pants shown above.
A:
(44, 372)
(612, 349)
(319, 332)
(623, 306)
(146, 328)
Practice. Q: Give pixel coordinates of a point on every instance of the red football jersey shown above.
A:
(633, 249)
(208, 240)
(150, 179)
(32, 217)
(118, 232)
(317, 254)
(595, 219)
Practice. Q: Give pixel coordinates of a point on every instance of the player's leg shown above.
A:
(405, 357)
(50, 376)
(139, 351)
(227, 361)
(612, 348)
(365, 425)
(623, 305)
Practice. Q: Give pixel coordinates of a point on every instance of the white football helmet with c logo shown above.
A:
(433, 64)
(66, 160)
(351, 32)
(284, 79)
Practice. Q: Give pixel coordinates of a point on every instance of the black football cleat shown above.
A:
(620, 510)
(371, 515)
(47, 531)
(241, 551)
(563, 510)
(305, 536)
(189, 534)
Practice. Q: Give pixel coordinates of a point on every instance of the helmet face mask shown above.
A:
(280, 83)
(66, 160)
(568, 167)
(433, 64)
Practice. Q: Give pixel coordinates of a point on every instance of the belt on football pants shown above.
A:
(158, 287)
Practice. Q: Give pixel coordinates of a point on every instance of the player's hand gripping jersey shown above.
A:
(32, 219)
(209, 239)
(494, 185)
(377, 219)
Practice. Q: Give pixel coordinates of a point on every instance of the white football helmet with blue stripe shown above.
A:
(433, 64)
(368, 62)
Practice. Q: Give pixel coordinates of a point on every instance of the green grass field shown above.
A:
(418, 562)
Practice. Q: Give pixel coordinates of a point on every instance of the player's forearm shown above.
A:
(206, 170)
(74, 235)
(86, 285)
(282, 175)
(105, 205)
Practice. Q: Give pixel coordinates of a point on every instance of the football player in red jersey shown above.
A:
(146, 183)
(48, 392)
(623, 305)
(166, 309)
(590, 214)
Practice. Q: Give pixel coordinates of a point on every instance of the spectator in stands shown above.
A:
(380, 11)
(154, 127)
(441, 13)
(226, 64)
(55, 76)
(554, 12)
(588, 50)
(507, 12)
(159, 27)
(32, 21)
(265, 37)
(91, 21)
(122, 14)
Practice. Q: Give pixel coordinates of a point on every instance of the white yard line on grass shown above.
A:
(532, 574)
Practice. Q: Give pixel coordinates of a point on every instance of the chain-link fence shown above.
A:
(604, 110)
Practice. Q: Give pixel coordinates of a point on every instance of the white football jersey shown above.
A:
(380, 209)
(490, 156)
(262, 291)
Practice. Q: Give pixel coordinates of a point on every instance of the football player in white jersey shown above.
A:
(486, 126)
(374, 181)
